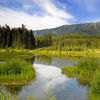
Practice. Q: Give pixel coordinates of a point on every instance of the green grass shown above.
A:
(69, 70)
(85, 67)
(88, 66)
(4, 96)
(16, 70)
(9, 97)
(47, 51)
(13, 53)
(95, 86)
(87, 72)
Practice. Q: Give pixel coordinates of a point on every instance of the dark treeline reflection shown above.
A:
(44, 59)
(14, 89)
(31, 60)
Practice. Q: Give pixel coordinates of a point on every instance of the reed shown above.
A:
(16, 70)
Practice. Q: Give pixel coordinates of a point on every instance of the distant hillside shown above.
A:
(87, 28)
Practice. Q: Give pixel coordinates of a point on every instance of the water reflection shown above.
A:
(49, 77)
(59, 62)
(31, 60)
(14, 89)
(44, 59)
(83, 81)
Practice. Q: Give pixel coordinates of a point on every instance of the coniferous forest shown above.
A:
(16, 38)
(22, 38)
(71, 42)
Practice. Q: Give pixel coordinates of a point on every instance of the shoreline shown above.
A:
(66, 53)
(42, 51)
(22, 82)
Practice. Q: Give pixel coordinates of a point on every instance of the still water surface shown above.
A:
(50, 80)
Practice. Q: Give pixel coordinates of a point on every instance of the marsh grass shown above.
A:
(48, 51)
(16, 70)
(87, 72)
(4, 96)
(95, 86)
(85, 67)
(9, 97)
(14, 53)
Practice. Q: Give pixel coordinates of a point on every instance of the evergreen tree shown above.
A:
(16, 37)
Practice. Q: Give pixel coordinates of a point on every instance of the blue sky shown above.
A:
(41, 14)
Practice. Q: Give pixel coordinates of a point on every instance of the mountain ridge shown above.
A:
(85, 28)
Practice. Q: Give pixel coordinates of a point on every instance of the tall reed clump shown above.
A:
(69, 70)
(95, 86)
(85, 67)
(16, 70)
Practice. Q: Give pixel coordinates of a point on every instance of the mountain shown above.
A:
(87, 28)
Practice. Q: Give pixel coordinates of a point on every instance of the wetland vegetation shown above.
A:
(16, 70)
(18, 46)
(87, 70)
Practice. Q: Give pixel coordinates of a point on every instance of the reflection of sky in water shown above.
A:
(50, 78)
(59, 62)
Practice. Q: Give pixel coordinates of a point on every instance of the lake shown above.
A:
(50, 81)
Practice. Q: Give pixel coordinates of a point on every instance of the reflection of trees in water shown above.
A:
(10, 91)
(44, 59)
(83, 82)
(14, 89)
(31, 60)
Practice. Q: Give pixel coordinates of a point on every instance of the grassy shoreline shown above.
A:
(90, 53)
(22, 82)
(45, 51)
(15, 71)
(87, 72)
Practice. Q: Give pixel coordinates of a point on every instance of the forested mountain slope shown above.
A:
(87, 28)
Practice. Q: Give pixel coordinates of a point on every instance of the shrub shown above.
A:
(88, 66)
(95, 86)
(16, 69)
(69, 70)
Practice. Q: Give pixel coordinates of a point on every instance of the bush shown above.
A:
(87, 66)
(95, 86)
(16, 69)
(69, 70)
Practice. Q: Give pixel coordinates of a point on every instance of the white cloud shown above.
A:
(52, 16)
(50, 8)
(15, 19)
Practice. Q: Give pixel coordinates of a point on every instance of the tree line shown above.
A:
(72, 42)
(16, 37)
(44, 41)
(76, 42)
(23, 38)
